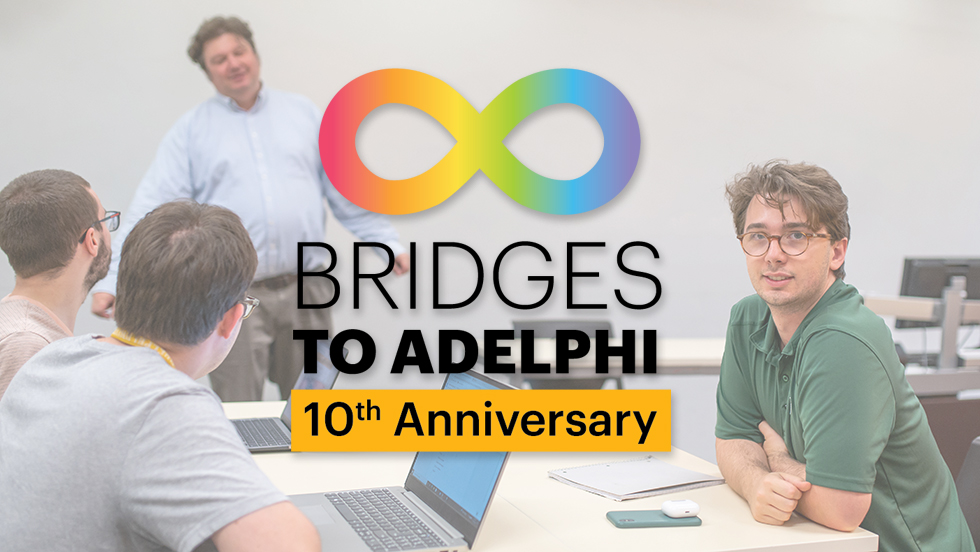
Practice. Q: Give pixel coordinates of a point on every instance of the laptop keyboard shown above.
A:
(261, 432)
(383, 522)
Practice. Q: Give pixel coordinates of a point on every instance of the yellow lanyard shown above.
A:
(130, 339)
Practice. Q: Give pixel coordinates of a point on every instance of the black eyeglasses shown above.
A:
(111, 221)
(250, 304)
(756, 244)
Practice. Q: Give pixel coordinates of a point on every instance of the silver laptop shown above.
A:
(273, 434)
(441, 507)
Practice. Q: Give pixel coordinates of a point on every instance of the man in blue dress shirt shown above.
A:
(254, 150)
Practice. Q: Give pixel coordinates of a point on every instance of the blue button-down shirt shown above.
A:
(263, 164)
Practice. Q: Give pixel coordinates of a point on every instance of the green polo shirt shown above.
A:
(838, 396)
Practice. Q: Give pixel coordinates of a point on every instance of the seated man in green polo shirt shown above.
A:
(814, 412)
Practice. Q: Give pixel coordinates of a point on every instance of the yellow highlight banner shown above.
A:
(481, 420)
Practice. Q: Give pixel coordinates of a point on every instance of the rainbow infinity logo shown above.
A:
(479, 141)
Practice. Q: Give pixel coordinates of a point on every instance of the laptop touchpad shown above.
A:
(317, 514)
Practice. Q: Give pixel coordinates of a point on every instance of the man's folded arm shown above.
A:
(834, 508)
(837, 509)
(841, 510)
(742, 462)
(772, 496)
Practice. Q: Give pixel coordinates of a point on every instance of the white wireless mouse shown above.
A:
(680, 508)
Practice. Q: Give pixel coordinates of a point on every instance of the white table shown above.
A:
(532, 512)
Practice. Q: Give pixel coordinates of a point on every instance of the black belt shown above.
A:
(276, 282)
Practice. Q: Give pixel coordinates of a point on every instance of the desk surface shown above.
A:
(532, 512)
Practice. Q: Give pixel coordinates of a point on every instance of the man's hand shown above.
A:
(403, 263)
(778, 454)
(776, 497)
(841, 510)
(774, 484)
(773, 495)
(102, 304)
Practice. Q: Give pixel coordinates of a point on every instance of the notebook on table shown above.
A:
(441, 506)
(637, 478)
(273, 434)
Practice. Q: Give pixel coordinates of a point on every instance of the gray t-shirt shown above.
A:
(104, 447)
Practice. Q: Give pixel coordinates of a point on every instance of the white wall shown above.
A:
(883, 94)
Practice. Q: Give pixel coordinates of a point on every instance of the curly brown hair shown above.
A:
(818, 194)
(213, 28)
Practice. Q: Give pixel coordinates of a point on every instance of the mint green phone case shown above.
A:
(626, 519)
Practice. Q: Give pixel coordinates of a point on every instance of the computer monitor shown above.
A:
(928, 277)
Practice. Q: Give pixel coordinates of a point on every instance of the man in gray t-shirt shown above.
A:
(107, 446)
(108, 443)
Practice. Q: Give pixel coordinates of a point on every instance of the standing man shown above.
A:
(107, 443)
(56, 236)
(255, 151)
(814, 412)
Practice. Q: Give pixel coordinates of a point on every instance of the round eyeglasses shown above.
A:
(756, 244)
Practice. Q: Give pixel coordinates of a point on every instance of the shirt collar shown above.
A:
(231, 104)
(64, 328)
(766, 338)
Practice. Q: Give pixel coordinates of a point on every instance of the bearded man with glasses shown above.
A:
(815, 415)
(55, 233)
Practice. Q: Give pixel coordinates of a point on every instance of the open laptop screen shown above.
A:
(324, 378)
(459, 485)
